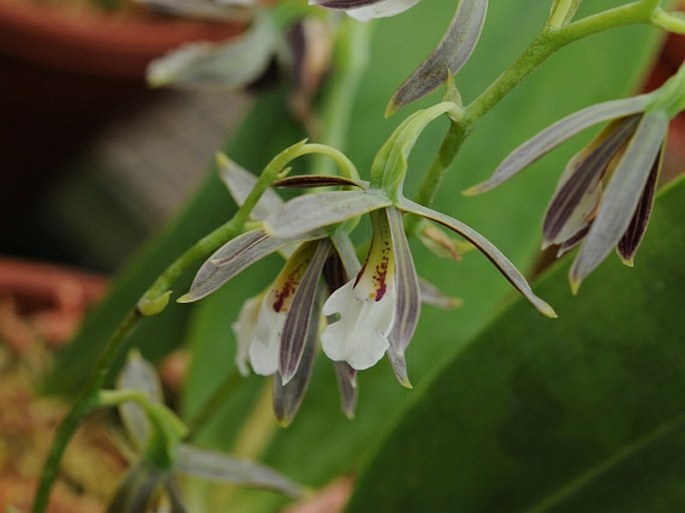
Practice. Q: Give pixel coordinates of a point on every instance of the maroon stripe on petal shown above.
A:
(629, 243)
(584, 177)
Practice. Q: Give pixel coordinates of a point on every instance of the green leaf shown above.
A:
(584, 413)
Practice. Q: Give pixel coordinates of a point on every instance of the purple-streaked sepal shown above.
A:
(407, 290)
(229, 260)
(448, 58)
(233, 10)
(346, 378)
(288, 398)
(630, 242)
(622, 196)
(309, 181)
(299, 317)
(315, 211)
(502, 263)
(555, 134)
(579, 193)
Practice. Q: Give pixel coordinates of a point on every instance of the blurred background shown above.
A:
(92, 160)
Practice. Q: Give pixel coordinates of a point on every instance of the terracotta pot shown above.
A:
(63, 76)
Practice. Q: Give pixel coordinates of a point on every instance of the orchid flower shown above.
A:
(156, 433)
(376, 312)
(604, 197)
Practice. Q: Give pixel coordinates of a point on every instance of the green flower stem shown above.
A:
(350, 60)
(81, 408)
(563, 12)
(670, 22)
(152, 302)
(548, 41)
(670, 97)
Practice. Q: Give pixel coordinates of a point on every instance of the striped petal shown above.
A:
(502, 263)
(365, 10)
(265, 347)
(288, 398)
(230, 260)
(622, 196)
(222, 468)
(240, 183)
(346, 378)
(202, 9)
(578, 195)
(558, 133)
(407, 294)
(300, 314)
(629, 243)
(448, 58)
(315, 211)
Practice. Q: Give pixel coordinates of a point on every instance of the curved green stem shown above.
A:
(548, 41)
(81, 408)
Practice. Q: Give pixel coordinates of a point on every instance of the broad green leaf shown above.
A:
(583, 413)
(321, 442)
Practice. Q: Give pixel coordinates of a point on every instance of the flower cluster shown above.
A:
(364, 311)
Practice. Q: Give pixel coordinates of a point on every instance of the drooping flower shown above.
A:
(376, 312)
(156, 435)
(605, 194)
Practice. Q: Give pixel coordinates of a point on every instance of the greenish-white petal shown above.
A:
(315, 211)
(448, 58)
(223, 468)
(556, 134)
(240, 183)
(138, 374)
(229, 260)
(502, 263)
(228, 65)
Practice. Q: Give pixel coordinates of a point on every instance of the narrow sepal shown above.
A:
(347, 254)
(174, 494)
(138, 374)
(346, 378)
(240, 183)
(310, 181)
(223, 468)
(136, 490)
(314, 211)
(585, 178)
(622, 196)
(431, 295)
(399, 366)
(231, 259)
(451, 54)
(555, 134)
(288, 398)
(630, 242)
(407, 295)
(299, 317)
(225, 66)
(502, 263)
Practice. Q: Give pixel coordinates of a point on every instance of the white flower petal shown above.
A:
(244, 329)
(360, 336)
(266, 344)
